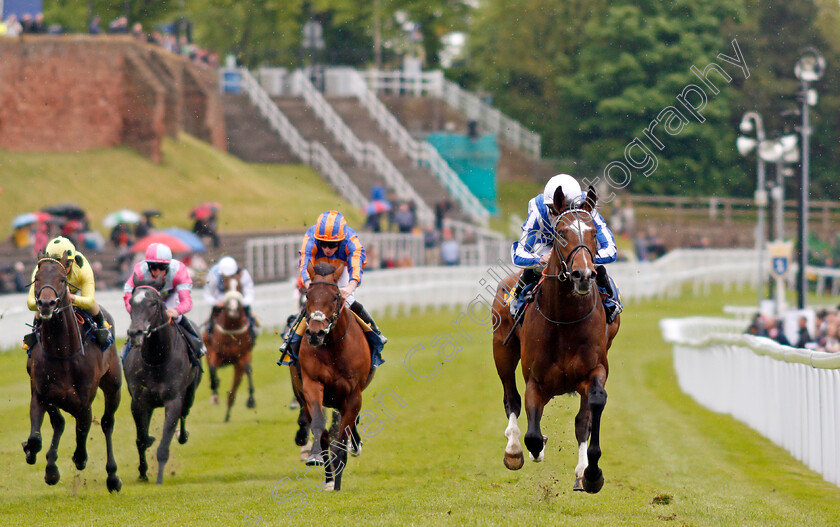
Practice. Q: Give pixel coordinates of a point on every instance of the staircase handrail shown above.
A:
(421, 153)
(363, 152)
(312, 154)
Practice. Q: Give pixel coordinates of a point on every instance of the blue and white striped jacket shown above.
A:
(537, 236)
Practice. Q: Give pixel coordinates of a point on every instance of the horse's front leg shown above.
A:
(32, 446)
(142, 416)
(170, 422)
(535, 401)
(251, 403)
(83, 420)
(51, 475)
(237, 378)
(313, 394)
(344, 442)
(214, 378)
(593, 478)
(582, 423)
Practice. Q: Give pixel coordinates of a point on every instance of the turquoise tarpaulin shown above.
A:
(474, 160)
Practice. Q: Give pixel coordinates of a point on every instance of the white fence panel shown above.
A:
(788, 395)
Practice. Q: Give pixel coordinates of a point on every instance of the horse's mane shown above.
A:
(150, 282)
(323, 269)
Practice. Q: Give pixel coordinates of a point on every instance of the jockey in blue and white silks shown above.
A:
(214, 290)
(532, 250)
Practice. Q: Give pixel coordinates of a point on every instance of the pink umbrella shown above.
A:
(174, 243)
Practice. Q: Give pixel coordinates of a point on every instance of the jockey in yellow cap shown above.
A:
(80, 283)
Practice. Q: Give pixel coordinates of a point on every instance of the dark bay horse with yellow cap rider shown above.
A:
(80, 282)
(332, 241)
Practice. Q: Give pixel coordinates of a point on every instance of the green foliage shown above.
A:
(75, 15)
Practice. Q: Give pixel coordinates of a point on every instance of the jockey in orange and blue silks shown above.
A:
(176, 290)
(331, 241)
(532, 250)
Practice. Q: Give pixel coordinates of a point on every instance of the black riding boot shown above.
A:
(101, 332)
(213, 313)
(524, 291)
(196, 344)
(30, 339)
(612, 304)
(359, 309)
(252, 322)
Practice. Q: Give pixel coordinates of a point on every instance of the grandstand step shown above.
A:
(249, 135)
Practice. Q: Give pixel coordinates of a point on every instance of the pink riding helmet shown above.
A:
(158, 253)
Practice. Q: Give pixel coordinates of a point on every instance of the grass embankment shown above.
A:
(438, 459)
(254, 197)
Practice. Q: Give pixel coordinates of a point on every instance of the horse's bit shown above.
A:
(155, 329)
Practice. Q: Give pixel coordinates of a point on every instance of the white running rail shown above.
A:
(433, 83)
(421, 153)
(364, 153)
(313, 154)
(791, 396)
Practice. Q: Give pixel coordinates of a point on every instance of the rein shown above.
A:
(148, 332)
(564, 275)
(336, 312)
(59, 299)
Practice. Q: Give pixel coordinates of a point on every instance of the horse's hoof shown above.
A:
(301, 436)
(80, 461)
(578, 484)
(315, 460)
(183, 436)
(51, 476)
(31, 447)
(534, 444)
(356, 452)
(592, 483)
(330, 485)
(251, 403)
(514, 461)
(227, 418)
(114, 483)
(144, 478)
(214, 399)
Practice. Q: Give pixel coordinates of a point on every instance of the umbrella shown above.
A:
(187, 237)
(174, 243)
(70, 211)
(378, 206)
(121, 216)
(151, 213)
(29, 218)
(205, 210)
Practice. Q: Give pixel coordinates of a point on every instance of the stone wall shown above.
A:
(79, 92)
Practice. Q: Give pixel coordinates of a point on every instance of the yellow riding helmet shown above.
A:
(59, 246)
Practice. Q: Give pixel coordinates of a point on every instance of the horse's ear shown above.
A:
(338, 270)
(559, 199)
(591, 200)
(42, 254)
(65, 259)
(310, 270)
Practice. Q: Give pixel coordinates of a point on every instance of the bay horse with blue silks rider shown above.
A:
(562, 344)
(230, 342)
(334, 368)
(66, 367)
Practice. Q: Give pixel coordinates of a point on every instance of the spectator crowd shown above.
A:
(826, 337)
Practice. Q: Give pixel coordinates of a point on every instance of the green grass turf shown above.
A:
(253, 196)
(438, 460)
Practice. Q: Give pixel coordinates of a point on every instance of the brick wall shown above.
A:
(78, 92)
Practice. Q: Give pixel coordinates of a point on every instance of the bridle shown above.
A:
(566, 263)
(565, 274)
(320, 317)
(148, 332)
(59, 299)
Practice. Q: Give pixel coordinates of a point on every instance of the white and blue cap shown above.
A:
(571, 189)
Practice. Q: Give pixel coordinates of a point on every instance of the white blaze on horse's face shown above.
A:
(138, 297)
(580, 227)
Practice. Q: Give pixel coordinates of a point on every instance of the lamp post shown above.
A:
(809, 68)
(745, 145)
